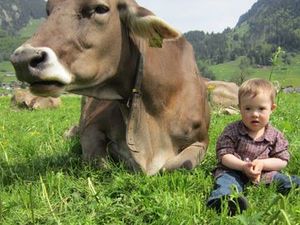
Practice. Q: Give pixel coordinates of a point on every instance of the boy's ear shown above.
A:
(273, 107)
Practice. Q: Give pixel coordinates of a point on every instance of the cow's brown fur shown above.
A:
(97, 53)
(222, 93)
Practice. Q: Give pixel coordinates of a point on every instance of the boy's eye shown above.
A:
(262, 108)
(247, 108)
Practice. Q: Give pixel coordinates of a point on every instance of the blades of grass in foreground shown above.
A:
(1, 210)
(65, 191)
(45, 195)
(31, 204)
(285, 216)
(92, 189)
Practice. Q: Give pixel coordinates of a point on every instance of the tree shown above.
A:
(244, 67)
(205, 71)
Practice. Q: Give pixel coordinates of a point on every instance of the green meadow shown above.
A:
(44, 181)
(5, 68)
(287, 75)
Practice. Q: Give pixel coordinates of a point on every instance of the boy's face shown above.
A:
(256, 111)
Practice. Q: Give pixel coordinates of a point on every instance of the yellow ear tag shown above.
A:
(156, 41)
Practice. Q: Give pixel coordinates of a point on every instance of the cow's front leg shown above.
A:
(188, 158)
(94, 145)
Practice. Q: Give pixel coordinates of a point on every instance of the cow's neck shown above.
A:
(142, 130)
(136, 89)
(129, 103)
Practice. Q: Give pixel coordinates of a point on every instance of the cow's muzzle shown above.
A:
(41, 69)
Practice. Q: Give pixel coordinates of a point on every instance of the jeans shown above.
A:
(235, 180)
(226, 182)
(285, 183)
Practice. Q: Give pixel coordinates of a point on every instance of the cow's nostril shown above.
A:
(38, 59)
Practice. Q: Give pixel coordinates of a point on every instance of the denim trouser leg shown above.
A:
(285, 183)
(224, 185)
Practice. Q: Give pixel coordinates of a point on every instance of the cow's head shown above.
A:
(88, 47)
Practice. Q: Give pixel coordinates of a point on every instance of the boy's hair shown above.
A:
(255, 86)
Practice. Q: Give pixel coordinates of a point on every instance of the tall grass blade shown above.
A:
(1, 210)
(92, 189)
(31, 205)
(285, 216)
(45, 194)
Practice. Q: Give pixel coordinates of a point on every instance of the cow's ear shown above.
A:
(144, 23)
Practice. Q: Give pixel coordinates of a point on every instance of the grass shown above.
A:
(5, 68)
(43, 180)
(285, 74)
(30, 28)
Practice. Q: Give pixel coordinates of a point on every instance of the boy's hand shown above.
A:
(258, 166)
(253, 170)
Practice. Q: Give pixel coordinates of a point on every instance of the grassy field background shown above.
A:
(44, 181)
(6, 67)
(286, 74)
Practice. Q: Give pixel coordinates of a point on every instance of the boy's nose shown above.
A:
(255, 113)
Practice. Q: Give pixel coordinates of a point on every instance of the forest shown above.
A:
(269, 24)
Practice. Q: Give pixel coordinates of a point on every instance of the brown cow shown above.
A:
(22, 98)
(222, 93)
(159, 116)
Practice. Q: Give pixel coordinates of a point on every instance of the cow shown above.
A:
(22, 98)
(222, 93)
(147, 103)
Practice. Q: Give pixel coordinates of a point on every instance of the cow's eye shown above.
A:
(48, 9)
(101, 9)
(90, 11)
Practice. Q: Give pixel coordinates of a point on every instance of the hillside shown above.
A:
(18, 18)
(286, 74)
(258, 33)
(15, 14)
(267, 25)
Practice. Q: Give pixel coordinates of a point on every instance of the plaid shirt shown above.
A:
(235, 140)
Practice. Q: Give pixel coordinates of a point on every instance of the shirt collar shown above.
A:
(268, 134)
